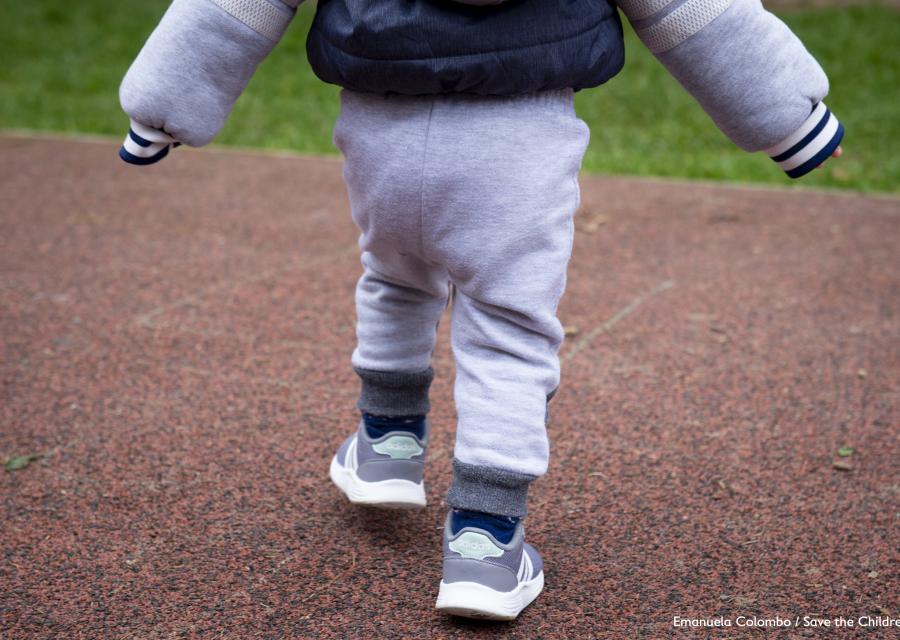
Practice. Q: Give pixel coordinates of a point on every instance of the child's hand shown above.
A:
(837, 154)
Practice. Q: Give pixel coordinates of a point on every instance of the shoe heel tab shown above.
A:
(399, 446)
(475, 544)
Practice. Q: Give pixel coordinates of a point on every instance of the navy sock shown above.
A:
(501, 527)
(377, 426)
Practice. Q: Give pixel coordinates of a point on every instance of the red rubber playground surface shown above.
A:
(175, 356)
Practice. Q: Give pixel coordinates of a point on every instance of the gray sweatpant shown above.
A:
(479, 192)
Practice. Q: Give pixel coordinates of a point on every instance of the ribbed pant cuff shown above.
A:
(393, 393)
(489, 490)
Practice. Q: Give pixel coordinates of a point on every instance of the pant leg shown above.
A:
(501, 191)
(400, 296)
(399, 304)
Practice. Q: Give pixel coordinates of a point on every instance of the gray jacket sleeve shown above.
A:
(748, 71)
(194, 66)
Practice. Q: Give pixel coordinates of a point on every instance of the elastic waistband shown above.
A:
(562, 99)
(556, 98)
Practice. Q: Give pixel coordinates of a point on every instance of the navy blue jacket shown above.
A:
(423, 47)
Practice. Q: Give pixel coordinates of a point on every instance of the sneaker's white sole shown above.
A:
(473, 600)
(389, 494)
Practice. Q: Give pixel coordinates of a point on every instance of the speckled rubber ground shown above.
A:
(176, 344)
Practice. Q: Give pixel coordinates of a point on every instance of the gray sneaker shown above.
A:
(381, 472)
(484, 578)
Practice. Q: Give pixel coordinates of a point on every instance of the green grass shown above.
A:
(64, 64)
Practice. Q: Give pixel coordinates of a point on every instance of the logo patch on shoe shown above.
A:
(399, 447)
(475, 545)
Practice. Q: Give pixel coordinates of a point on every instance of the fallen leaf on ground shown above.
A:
(840, 465)
(846, 452)
(20, 462)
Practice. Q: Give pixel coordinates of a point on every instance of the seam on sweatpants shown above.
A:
(422, 182)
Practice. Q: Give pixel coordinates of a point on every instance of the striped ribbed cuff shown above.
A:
(810, 145)
(145, 145)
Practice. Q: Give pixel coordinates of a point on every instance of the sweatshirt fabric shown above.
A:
(198, 61)
(748, 71)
